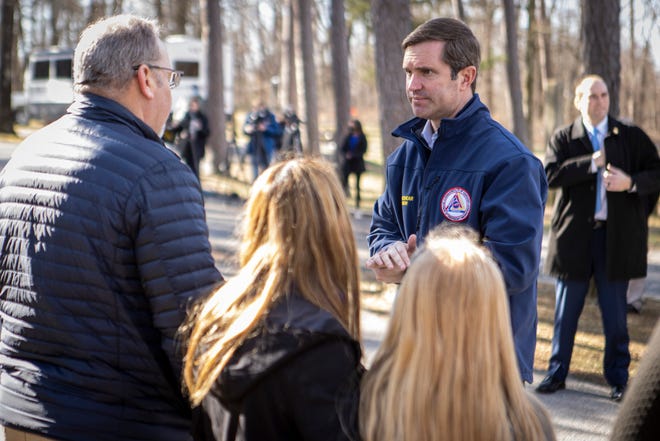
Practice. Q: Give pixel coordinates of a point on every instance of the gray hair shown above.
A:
(461, 46)
(110, 48)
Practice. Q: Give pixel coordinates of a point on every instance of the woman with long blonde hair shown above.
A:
(273, 353)
(446, 369)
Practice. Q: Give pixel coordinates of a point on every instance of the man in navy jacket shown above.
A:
(103, 247)
(457, 164)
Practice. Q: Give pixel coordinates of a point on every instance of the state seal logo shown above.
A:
(456, 204)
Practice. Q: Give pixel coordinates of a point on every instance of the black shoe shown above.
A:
(617, 393)
(549, 385)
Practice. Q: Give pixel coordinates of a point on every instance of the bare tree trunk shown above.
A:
(645, 78)
(309, 74)
(340, 75)
(631, 93)
(54, 18)
(96, 10)
(459, 10)
(513, 72)
(392, 22)
(179, 16)
(289, 65)
(486, 81)
(6, 49)
(212, 35)
(117, 6)
(531, 55)
(550, 115)
(601, 44)
(158, 8)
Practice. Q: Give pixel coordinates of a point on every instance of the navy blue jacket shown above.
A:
(103, 244)
(479, 174)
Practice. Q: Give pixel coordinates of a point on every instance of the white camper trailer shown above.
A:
(48, 84)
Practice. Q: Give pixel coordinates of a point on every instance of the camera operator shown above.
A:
(291, 136)
(264, 132)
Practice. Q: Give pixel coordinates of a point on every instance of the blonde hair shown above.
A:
(296, 234)
(446, 369)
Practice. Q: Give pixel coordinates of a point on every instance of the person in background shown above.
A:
(446, 368)
(264, 131)
(103, 246)
(604, 171)
(456, 164)
(274, 354)
(193, 130)
(353, 149)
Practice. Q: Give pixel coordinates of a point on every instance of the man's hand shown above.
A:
(390, 264)
(599, 158)
(615, 179)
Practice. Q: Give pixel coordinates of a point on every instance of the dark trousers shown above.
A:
(570, 297)
(345, 175)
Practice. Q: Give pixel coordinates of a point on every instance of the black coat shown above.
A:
(354, 160)
(568, 159)
(297, 378)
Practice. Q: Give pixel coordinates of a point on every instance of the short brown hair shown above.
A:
(461, 48)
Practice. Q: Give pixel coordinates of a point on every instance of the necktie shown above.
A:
(599, 174)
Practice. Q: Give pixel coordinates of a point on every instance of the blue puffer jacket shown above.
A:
(478, 174)
(103, 245)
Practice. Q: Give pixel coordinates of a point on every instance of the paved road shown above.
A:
(582, 412)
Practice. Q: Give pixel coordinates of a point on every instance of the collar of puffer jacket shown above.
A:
(97, 107)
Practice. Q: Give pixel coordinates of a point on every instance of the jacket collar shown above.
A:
(411, 129)
(97, 107)
(578, 131)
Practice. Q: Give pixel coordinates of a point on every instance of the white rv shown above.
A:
(48, 84)
(187, 54)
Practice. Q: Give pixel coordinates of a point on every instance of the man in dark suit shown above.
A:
(603, 171)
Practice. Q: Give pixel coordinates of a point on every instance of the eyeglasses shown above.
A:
(175, 75)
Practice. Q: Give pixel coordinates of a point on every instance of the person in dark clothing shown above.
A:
(193, 131)
(604, 171)
(274, 354)
(264, 132)
(103, 244)
(353, 149)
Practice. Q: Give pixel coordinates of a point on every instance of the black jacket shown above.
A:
(568, 159)
(297, 378)
(354, 160)
(103, 244)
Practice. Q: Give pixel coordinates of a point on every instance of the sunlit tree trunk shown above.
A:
(212, 34)
(531, 55)
(513, 72)
(7, 8)
(392, 21)
(340, 76)
(459, 10)
(309, 76)
(601, 44)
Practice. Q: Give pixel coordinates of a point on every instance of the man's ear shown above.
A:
(146, 81)
(467, 75)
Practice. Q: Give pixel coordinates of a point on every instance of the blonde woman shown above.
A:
(446, 369)
(274, 352)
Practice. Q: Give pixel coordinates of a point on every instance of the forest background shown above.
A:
(331, 60)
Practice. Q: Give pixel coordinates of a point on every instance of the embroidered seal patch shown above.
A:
(456, 204)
